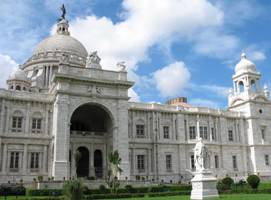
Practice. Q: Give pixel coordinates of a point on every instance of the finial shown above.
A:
(243, 55)
(63, 9)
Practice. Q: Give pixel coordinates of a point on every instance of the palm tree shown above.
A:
(115, 170)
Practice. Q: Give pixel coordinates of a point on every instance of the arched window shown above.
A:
(253, 85)
(18, 87)
(36, 126)
(24, 88)
(17, 121)
(241, 86)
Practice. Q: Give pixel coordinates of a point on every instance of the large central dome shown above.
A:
(61, 41)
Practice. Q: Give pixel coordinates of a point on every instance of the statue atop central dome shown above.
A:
(63, 9)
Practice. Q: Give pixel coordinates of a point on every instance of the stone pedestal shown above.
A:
(203, 186)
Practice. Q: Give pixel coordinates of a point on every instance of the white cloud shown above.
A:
(220, 91)
(216, 44)
(172, 79)
(144, 24)
(204, 103)
(133, 95)
(257, 55)
(7, 66)
(217, 90)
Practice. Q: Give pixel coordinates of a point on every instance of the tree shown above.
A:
(73, 190)
(115, 170)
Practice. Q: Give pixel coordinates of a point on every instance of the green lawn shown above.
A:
(223, 197)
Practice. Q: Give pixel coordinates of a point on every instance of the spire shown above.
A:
(63, 24)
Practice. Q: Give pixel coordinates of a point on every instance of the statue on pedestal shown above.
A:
(200, 156)
(93, 60)
(203, 183)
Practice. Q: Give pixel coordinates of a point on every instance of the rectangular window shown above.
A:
(266, 159)
(192, 132)
(166, 132)
(141, 163)
(216, 161)
(234, 162)
(34, 162)
(192, 162)
(17, 124)
(230, 135)
(36, 125)
(14, 161)
(168, 163)
(140, 131)
(213, 134)
(263, 133)
(203, 132)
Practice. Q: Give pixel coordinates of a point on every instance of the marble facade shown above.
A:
(57, 103)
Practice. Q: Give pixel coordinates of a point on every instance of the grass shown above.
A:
(222, 197)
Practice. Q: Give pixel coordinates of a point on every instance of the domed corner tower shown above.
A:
(19, 81)
(253, 102)
(53, 51)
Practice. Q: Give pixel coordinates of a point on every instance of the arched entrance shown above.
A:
(98, 163)
(91, 125)
(82, 162)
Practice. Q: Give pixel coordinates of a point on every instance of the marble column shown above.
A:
(198, 131)
(45, 159)
(91, 159)
(61, 132)
(1, 158)
(4, 160)
(27, 121)
(25, 156)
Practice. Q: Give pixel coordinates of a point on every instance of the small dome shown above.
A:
(61, 42)
(245, 65)
(19, 75)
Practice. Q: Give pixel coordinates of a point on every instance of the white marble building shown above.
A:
(61, 101)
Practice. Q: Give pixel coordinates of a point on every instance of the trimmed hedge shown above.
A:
(162, 194)
(44, 192)
(43, 198)
(246, 191)
(112, 196)
(12, 189)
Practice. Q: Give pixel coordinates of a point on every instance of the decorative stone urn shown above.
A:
(203, 183)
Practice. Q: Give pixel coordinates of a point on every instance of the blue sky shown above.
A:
(171, 48)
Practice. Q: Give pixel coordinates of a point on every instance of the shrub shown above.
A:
(130, 189)
(253, 181)
(227, 181)
(73, 190)
(161, 188)
(91, 178)
(102, 189)
(44, 192)
(221, 186)
(40, 178)
(12, 189)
